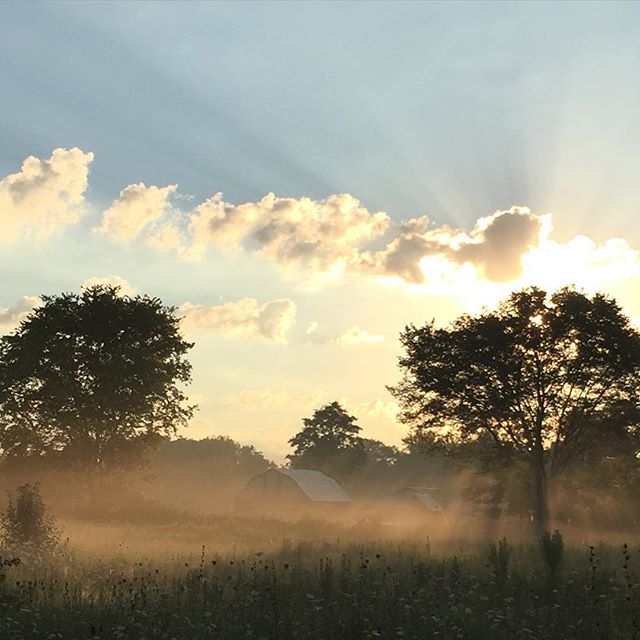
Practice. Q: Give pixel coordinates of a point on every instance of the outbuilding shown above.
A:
(422, 498)
(291, 491)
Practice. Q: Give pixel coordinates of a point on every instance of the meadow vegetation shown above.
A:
(328, 590)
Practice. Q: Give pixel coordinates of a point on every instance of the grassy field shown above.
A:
(333, 591)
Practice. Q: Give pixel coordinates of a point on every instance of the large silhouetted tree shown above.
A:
(95, 377)
(329, 442)
(535, 376)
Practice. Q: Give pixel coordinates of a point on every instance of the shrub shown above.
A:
(25, 522)
(499, 559)
(552, 546)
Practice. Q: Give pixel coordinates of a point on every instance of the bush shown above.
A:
(552, 551)
(25, 523)
(499, 559)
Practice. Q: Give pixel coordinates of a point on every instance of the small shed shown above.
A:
(278, 490)
(424, 498)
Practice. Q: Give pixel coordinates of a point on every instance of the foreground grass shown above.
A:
(329, 591)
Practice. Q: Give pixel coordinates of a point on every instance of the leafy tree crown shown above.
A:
(327, 435)
(96, 375)
(534, 375)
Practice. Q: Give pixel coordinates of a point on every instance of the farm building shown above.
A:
(425, 499)
(295, 490)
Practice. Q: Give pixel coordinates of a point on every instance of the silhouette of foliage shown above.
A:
(552, 546)
(203, 473)
(25, 523)
(534, 376)
(329, 442)
(96, 377)
(499, 556)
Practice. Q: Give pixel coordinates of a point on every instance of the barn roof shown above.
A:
(423, 495)
(427, 500)
(317, 486)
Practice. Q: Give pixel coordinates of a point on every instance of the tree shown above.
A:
(206, 473)
(95, 377)
(378, 453)
(533, 375)
(25, 521)
(328, 442)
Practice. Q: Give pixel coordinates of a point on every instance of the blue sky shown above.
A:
(448, 110)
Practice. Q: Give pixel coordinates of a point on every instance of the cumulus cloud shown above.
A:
(11, 317)
(126, 289)
(138, 209)
(338, 234)
(270, 321)
(498, 242)
(313, 239)
(44, 196)
(301, 233)
(495, 246)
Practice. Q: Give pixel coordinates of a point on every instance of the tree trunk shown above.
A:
(540, 506)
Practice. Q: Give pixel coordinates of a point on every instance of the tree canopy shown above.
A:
(536, 376)
(205, 473)
(94, 376)
(329, 441)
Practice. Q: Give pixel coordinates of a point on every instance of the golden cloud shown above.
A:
(270, 321)
(44, 196)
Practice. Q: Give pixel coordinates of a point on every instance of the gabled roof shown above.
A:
(424, 495)
(427, 500)
(316, 485)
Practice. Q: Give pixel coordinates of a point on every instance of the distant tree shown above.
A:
(378, 453)
(25, 523)
(533, 375)
(205, 473)
(217, 461)
(329, 442)
(96, 377)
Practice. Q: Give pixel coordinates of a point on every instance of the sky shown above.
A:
(302, 180)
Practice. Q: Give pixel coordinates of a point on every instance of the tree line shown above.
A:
(542, 389)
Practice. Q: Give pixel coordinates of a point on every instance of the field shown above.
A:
(334, 590)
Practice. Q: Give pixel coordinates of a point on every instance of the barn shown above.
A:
(291, 491)
(424, 499)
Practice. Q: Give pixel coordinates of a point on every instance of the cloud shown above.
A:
(274, 399)
(312, 239)
(376, 408)
(136, 211)
(126, 289)
(44, 196)
(356, 336)
(11, 317)
(304, 234)
(583, 262)
(338, 234)
(270, 398)
(495, 246)
(270, 321)
(498, 242)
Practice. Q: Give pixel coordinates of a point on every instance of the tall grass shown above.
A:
(330, 591)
